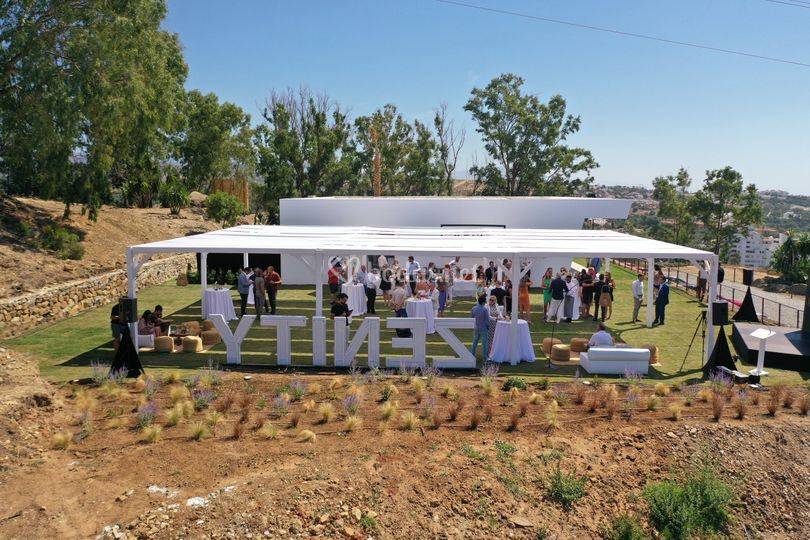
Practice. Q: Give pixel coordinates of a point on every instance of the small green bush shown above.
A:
(223, 207)
(173, 195)
(514, 382)
(624, 528)
(65, 243)
(697, 503)
(543, 384)
(566, 489)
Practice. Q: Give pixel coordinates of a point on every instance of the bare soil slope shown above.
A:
(26, 268)
(384, 481)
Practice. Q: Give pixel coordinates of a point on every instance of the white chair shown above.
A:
(146, 341)
(615, 360)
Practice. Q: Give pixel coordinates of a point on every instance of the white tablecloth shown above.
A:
(218, 301)
(463, 287)
(357, 297)
(421, 308)
(502, 344)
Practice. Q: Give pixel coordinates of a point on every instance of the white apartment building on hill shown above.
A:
(755, 249)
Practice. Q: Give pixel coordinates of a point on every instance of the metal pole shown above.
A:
(319, 285)
(245, 260)
(650, 265)
(132, 292)
(515, 352)
(203, 280)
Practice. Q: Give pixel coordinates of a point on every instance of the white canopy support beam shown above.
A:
(132, 291)
(320, 261)
(203, 280)
(517, 274)
(245, 259)
(712, 265)
(650, 291)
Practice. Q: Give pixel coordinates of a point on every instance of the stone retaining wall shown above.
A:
(23, 313)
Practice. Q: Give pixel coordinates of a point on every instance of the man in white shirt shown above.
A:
(701, 282)
(601, 338)
(638, 295)
(413, 272)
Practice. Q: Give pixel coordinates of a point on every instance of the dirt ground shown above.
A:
(26, 268)
(381, 480)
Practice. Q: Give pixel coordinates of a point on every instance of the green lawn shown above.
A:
(66, 349)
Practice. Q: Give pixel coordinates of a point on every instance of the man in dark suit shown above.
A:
(661, 303)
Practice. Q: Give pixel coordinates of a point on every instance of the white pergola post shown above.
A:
(203, 280)
(132, 292)
(650, 292)
(712, 268)
(245, 260)
(606, 265)
(513, 327)
(319, 263)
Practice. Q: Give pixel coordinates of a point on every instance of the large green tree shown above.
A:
(526, 142)
(89, 94)
(726, 207)
(408, 154)
(672, 194)
(792, 258)
(304, 148)
(216, 141)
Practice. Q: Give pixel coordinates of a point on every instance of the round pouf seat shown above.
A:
(192, 344)
(579, 345)
(560, 353)
(547, 344)
(655, 354)
(164, 344)
(208, 324)
(210, 337)
(192, 327)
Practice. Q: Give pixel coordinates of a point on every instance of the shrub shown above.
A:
(238, 430)
(66, 244)
(514, 382)
(624, 528)
(740, 405)
(224, 208)
(198, 431)
(268, 431)
(309, 405)
(774, 400)
(661, 389)
(436, 420)
(543, 384)
(389, 408)
(523, 408)
(487, 386)
(173, 195)
(353, 423)
(674, 412)
(804, 404)
(351, 403)
(788, 398)
(450, 392)
(514, 422)
(152, 434)
(224, 404)
(430, 374)
(388, 391)
(718, 403)
(294, 420)
(409, 421)
(534, 399)
(61, 440)
(178, 393)
(454, 410)
(653, 402)
(580, 393)
(551, 418)
(326, 412)
(213, 419)
(475, 419)
(566, 489)
(174, 416)
(146, 414)
(697, 504)
(202, 398)
(314, 389)
(306, 435)
(187, 407)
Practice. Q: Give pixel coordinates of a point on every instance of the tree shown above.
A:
(792, 258)
(216, 142)
(304, 147)
(726, 207)
(672, 194)
(449, 143)
(88, 94)
(525, 140)
(407, 154)
(224, 208)
(173, 193)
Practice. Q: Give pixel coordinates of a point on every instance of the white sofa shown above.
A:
(615, 360)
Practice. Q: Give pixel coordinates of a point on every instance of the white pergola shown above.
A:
(315, 245)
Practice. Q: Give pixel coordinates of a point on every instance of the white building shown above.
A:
(755, 249)
(485, 212)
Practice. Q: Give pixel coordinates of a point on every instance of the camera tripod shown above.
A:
(701, 325)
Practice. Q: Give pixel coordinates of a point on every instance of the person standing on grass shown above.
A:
(661, 302)
(333, 279)
(597, 294)
(259, 291)
(117, 325)
(370, 283)
(243, 288)
(481, 315)
(272, 281)
(413, 272)
(638, 295)
(559, 288)
(441, 287)
(491, 272)
(701, 282)
(398, 298)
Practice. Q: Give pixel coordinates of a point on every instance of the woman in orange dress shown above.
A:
(524, 304)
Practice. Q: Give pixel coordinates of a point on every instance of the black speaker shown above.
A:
(128, 309)
(748, 276)
(720, 313)
(721, 274)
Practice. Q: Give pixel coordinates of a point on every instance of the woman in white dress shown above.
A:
(495, 315)
(572, 299)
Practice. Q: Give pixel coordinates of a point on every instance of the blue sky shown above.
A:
(647, 108)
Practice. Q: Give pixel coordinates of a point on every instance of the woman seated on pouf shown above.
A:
(146, 325)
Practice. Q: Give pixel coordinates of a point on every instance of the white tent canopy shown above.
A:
(314, 245)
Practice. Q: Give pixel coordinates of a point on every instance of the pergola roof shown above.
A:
(303, 240)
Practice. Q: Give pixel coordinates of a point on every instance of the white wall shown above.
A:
(511, 212)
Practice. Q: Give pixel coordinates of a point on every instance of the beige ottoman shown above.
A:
(579, 345)
(655, 355)
(561, 353)
(164, 344)
(547, 343)
(210, 337)
(192, 344)
(193, 328)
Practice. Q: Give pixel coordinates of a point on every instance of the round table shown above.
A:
(218, 301)
(501, 350)
(422, 307)
(357, 297)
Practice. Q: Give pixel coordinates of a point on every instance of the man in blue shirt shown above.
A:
(661, 302)
(413, 272)
(481, 333)
(243, 287)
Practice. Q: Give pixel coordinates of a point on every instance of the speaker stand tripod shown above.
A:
(701, 326)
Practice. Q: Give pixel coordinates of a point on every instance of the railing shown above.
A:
(772, 311)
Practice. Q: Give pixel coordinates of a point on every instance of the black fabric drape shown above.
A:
(747, 311)
(127, 357)
(721, 355)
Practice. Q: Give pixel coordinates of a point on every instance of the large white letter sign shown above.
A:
(370, 328)
(233, 340)
(465, 359)
(318, 341)
(283, 323)
(418, 327)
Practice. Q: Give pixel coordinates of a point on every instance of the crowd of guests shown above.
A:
(265, 285)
